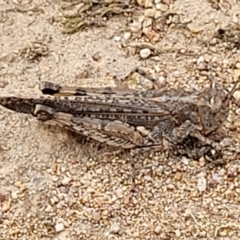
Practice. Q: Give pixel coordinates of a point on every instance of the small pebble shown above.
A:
(127, 35)
(213, 41)
(63, 189)
(6, 206)
(145, 53)
(53, 200)
(185, 160)
(233, 169)
(96, 215)
(37, 180)
(117, 38)
(167, 2)
(115, 228)
(227, 142)
(148, 3)
(223, 233)
(171, 187)
(48, 209)
(158, 230)
(238, 65)
(216, 178)
(224, 6)
(195, 28)
(207, 58)
(14, 194)
(235, 19)
(147, 23)
(202, 66)
(2, 198)
(96, 57)
(177, 233)
(135, 27)
(149, 12)
(20, 185)
(63, 169)
(202, 184)
(59, 227)
(236, 95)
(202, 161)
(162, 7)
(66, 181)
(178, 176)
(200, 59)
(140, 3)
(3, 84)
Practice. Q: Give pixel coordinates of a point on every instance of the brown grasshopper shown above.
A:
(129, 119)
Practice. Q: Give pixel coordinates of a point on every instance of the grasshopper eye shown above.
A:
(215, 104)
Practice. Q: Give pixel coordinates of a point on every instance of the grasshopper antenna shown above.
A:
(230, 94)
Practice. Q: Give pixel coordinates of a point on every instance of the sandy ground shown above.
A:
(52, 186)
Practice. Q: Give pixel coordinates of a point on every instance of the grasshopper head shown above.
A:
(214, 106)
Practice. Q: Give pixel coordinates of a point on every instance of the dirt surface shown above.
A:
(52, 186)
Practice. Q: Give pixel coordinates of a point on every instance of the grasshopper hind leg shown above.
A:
(49, 88)
(143, 73)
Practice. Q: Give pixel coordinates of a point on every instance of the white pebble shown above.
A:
(59, 227)
(6, 206)
(200, 59)
(236, 95)
(185, 160)
(235, 19)
(135, 27)
(158, 230)
(149, 12)
(145, 53)
(117, 38)
(140, 2)
(48, 209)
(178, 233)
(66, 181)
(161, 7)
(148, 3)
(238, 65)
(202, 184)
(127, 35)
(115, 228)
